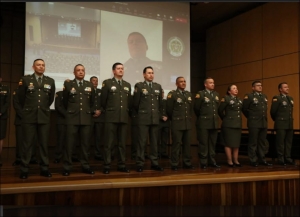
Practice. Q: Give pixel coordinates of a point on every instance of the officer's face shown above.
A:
(39, 67)
(149, 75)
(284, 89)
(210, 84)
(79, 72)
(233, 90)
(181, 83)
(137, 46)
(257, 87)
(94, 81)
(119, 71)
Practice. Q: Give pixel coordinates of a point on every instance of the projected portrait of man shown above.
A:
(138, 47)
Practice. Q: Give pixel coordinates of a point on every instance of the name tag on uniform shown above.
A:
(156, 91)
(126, 88)
(88, 89)
(47, 86)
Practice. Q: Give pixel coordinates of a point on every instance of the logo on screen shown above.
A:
(175, 46)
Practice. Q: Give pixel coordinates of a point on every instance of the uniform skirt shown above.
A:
(231, 137)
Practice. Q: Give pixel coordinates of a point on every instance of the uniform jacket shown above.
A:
(206, 109)
(147, 102)
(4, 100)
(230, 111)
(60, 108)
(179, 109)
(282, 112)
(97, 105)
(255, 109)
(78, 102)
(17, 107)
(116, 100)
(163, 123)
(36, 99)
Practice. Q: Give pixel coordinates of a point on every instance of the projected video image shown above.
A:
(98, 34)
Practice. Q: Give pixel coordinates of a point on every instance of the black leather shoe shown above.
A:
(33, 162)
(164, 156)
(105, 171)
(75, 159)
(215, 165)
(46, 173)
(66, 173)
(56, 161)
(281, 163)
(16, 163)
(157, 168)
(175, 168)
(123, 169)
(88, 171)
(254, 164)
(139, 169)
(203, 166)
(191, 167)
(98, 158)
(291, 163)
(266, 163)
(230, 165)
(237, 165)
(23, 175)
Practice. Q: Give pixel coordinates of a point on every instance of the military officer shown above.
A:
(230, 110)
(97, 129)
(255, 110)
(179, 109)
(18, 127)
(206, 108)
(36, 94)
(163, 130)
(4, 105)
(147, 103)
(116, 102)
(282, 115)
(78, 99)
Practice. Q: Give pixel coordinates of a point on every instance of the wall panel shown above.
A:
(247, 72)
(221, 76)
(247, 37)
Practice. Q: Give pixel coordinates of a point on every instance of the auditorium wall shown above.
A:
(261, 44)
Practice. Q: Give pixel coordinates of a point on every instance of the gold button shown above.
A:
(80, 103)
(80, 98)
(39, 95)
(38, 106)
(80, 109)
(80, 93)
(39, 100)
(121, 106)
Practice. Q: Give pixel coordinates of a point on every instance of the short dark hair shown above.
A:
(280, 84)
(93, 77)
(137, 33)
(178, 78)
(207, 79)
(229, 88)
(38, 60)
(78, 65)
(115, 65)
(145, 69)
(255, 82)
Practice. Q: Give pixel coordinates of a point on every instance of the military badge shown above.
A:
(20, 82)
(217, 98)
(231, 102)
(113, 88)
(156, 91)
(30, 87)
(240, 102)
(223, 100)
(206, 99)
(189, 98)
(246, 97)
(292, 102)
(274, 100)
(14, 93)
(266, 100)
(179, 100)
(145, 92)
(47, 86)
(73, 90)
(284, 103)
(103, 84)
(255, 100)
(126, 88)
(197, 95)
(88, 89)
(99, 94)
(169, 96)
(67, 80)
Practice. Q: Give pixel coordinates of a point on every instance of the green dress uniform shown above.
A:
(206, 109)
(147, 103)
(35, 98)
(230, 111)
(18, 127)
(282, 115)
(163, 131)
(4, 105)
(179, 109)
(255, 110)
(116, 102)
(134, 130)
(79, 104)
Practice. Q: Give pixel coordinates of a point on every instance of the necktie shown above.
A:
(80, 84)
(183, 94)
(150, 85)
(39, 81)
(259, 94)
(119, 82)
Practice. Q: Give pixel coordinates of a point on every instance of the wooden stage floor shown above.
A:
(279, 185)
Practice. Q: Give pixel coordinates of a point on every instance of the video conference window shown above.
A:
(98, 34)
